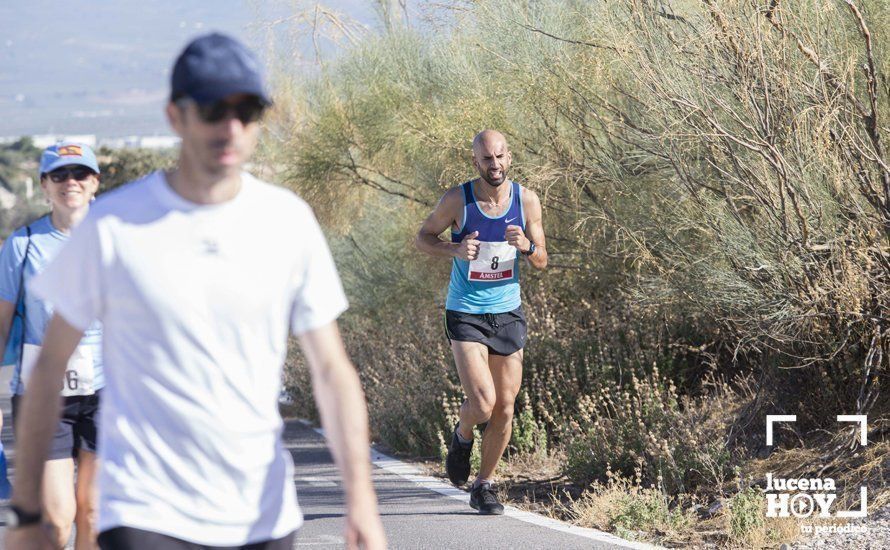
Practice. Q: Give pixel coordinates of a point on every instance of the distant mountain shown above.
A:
(102, 67)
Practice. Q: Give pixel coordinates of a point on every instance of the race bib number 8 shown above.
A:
(495, 262)
(79, 373)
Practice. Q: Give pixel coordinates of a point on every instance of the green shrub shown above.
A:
(122, 165)
(747, 511)
(646, 510)
(528, 436)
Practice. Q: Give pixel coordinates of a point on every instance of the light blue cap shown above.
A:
(66, 153)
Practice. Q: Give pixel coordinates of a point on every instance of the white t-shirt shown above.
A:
(196, 302)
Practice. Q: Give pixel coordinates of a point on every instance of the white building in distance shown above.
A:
(43, 141)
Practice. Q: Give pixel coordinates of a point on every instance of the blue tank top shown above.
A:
(490, 283)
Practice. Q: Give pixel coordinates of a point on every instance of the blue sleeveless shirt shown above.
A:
(489, 284)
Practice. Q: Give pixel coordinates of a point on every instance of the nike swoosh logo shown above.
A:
(510, 220)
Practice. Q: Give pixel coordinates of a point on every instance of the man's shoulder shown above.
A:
(277, 197)
(119, 199)
(455, 195)
(528, 195)
(273, 190)
(457, 190)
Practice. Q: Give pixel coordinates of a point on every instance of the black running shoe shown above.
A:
(457, 463)
(482, 498)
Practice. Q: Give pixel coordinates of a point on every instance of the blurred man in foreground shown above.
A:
(198, 275)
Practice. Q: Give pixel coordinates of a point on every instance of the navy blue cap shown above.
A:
(215, 66)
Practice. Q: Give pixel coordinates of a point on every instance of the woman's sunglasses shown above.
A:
(79, 173)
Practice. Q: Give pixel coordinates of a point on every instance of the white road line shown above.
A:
(320, 540)
(416, 476)
(318, 481)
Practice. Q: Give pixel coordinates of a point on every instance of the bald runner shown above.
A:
(494, 222)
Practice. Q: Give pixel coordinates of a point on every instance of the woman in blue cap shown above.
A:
(69, 177)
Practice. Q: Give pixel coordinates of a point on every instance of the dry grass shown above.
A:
(535, 482)
(634, 512)
(646, 431)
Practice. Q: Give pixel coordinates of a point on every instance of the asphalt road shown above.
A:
(418, 512)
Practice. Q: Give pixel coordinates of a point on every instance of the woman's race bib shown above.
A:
(78, 376)
(494, 263)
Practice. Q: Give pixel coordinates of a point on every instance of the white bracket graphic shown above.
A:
(863, 425)
(863, 506)
(770, 418)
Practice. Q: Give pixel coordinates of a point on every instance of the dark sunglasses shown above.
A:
(247, 110)
(79, 173)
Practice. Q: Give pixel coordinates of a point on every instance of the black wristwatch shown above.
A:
(16, 517)
(531, 249)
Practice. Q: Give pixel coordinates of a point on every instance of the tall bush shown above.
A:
(715, 189)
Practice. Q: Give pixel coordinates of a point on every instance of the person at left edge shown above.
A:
(69, 177)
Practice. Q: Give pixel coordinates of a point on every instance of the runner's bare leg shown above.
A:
(59, 505)
(87, 496)
(506, 372)
(471, 359)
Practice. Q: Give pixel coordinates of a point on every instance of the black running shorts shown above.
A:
(77, 428)
(129, 538)
(503, 333)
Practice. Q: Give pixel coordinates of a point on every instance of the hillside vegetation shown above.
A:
(716, 196)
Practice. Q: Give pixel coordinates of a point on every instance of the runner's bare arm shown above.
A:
(7, 312)
(40, 413)
(341, 404)
(534, 231)
(534, 228)
(446, 214)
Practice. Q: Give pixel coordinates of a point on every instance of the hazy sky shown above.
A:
(103, 67)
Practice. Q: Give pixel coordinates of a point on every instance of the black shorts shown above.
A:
(129, 538)
(503, 333)
(77, 427)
